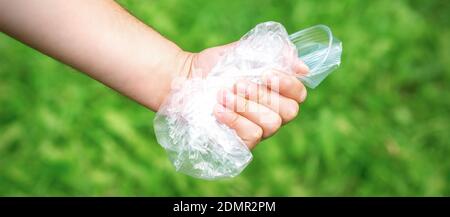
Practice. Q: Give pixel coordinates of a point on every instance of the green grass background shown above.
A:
(379, 125)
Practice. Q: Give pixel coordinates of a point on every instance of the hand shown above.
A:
(254, 111)
(103, 49)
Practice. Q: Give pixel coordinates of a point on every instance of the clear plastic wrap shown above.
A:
(200, 146)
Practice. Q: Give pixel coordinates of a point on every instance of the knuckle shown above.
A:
(241, 88)
(300, 84)
(288, 82)
(277, 123)
(257, 134)
(234, 121)
(304, 94)
(254, 138)
(260, 94)
(300, 93)
(246, 105)
(291, 111)
(272, 125)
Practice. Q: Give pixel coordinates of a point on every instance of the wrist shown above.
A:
(184, 63)
(179, 68)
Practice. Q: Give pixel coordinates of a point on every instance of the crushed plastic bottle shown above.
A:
(185, 126)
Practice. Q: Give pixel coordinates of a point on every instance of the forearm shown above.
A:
(100, 39)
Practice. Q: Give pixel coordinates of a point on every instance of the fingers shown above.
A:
(262, 116)
(256, 111)
(286, 108)
(286, 85)
(248, 131)
(300, 68)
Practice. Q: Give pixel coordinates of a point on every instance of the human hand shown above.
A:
(103, 49)
(254, 111)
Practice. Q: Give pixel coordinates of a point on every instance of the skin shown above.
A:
(102, 40)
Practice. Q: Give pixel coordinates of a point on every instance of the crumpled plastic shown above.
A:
(185, 126)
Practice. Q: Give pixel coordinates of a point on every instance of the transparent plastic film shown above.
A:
(200, 146)
(319, 50)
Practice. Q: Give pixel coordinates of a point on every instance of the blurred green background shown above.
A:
(379, 125)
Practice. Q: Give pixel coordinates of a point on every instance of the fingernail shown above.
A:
(275, 79)
(220, 112)
(303, 96)
(220, 96)
(303, 68)
(241, 88)
(229, 95)
(304, 65)
(274, 82)
(265, 74)
(225, 97)
(219, 109)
